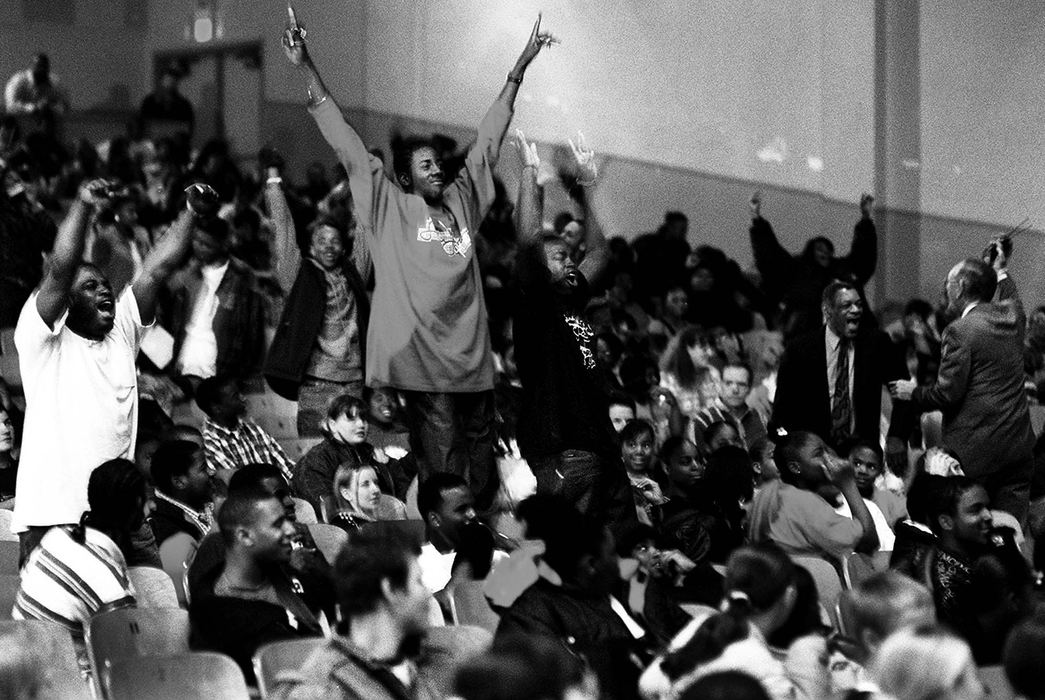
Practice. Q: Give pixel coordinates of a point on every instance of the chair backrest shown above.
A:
(188, 676)
(175, 554)
(153, 588)
(412, 530)
(5, 526)
(828, 584)
(468, 606)
(996, 683)
(329, 540)
(296, 448)
(9, 553)
(48, 658)
(304, 512)
(856, 568)
(276, 657)
(9, 585)
(133, 633)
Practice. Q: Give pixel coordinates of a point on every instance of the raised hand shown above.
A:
(527, 151)
(866, 204)
(756, 204)
(534, 44)
(837, 470)
(294, 40)
(587, 167)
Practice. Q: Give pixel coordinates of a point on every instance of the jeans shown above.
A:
(595, 486)
(455, 433)
(314, 398)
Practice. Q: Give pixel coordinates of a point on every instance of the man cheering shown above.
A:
(430, 337)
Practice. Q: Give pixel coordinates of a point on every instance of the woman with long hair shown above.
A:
(761, 592)
(358, 498)
(686, 370)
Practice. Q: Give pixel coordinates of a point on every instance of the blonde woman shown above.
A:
(926, 663)
(358, 498)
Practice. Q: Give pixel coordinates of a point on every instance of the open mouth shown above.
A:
(107, 307)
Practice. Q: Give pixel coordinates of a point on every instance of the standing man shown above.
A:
(432, 342)
(979, 387)
(564, 428)
(77, 345)
(35, 91)
(731, 406)
(830, 381)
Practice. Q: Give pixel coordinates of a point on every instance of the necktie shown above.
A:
(841, 403)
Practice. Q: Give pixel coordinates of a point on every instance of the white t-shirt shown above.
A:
(81, 410)
(199, 351)
(886, 537)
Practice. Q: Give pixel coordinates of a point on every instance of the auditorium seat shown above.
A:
(329, 540)
(276, 657)
(133, 633)
(828, 584)
(9, 552)
(304, 512)
(9, 584)
(153, 588)
(186, 676)
(468, 606)
(51, 646)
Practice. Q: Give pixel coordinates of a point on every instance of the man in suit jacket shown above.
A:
(979, 387)
(809, 396)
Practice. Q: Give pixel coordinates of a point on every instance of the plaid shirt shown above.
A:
(245, 444)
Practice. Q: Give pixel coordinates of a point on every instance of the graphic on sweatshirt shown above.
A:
(438, 232)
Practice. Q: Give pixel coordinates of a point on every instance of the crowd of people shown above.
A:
(642, 454)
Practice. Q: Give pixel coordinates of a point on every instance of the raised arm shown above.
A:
(362, 168)
(530, 207)
(171, 250)
(863, 252)
(286, 255)
(66, 255)
(495, 123)
(598, 250)
(772, 260)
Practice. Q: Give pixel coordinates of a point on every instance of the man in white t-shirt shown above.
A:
(77, 345)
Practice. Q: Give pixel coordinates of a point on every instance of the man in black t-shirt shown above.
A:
(564, 429)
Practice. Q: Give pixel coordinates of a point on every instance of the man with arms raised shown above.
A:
(432, 341)
(77, 345)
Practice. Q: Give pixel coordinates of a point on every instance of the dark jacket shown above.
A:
(979, 388)
(798, 281)
(803, 401)
(585, 625)
(168, 520)
(238, 627)
(313, 477)
(239, 324)
(301, 322)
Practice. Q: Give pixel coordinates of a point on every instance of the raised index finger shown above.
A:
(291, 17)
(536, 28)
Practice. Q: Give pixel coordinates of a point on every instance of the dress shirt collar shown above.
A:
(969, 307)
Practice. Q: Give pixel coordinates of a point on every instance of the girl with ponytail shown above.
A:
(760, 596)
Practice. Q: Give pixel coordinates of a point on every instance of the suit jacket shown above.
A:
(803, 400)
(979, 388)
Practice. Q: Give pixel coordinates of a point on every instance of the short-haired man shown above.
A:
(986, 419)
(250, 601)
(184, 493)
(446, 505)
(77, 344)
(433, 342)
(388, 651)
(830, 381)
(564, 431)
(230, 440)
(880, 605)
(215, 309)
(731, 406)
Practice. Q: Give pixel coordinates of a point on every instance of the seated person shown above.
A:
(792, 513)
(344, 442)
(93, 553)
(637, 440)
(230, 440)
(867, 460)
(760, 596)
(577, 608)
(506, 671)
(446, 505)
(877, 607)
(307, 565)
(184, 497)
(358, 498)
(250, 600)
(721, 433)
(8, 458)
(386, 650)
(731, 407)
(622, 410)
(384, 414)
(1024, 650)
(926, 662)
